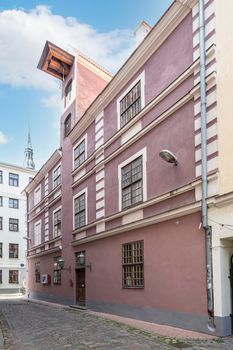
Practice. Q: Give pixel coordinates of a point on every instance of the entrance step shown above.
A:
(79, 307)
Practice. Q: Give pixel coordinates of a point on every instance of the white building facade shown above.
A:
(13, 228)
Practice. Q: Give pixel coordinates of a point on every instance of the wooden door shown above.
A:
(80, 287)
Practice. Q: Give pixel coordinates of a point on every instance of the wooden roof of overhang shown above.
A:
(55, 61)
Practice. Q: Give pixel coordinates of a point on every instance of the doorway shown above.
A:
(80, 287)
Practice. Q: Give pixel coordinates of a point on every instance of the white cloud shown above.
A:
(23, 35)
(3, 138)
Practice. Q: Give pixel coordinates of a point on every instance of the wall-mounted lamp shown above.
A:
(168, 156)
(81, 261)
(59, 263)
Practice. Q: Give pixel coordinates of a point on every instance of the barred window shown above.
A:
(80, 211)
(57, 223)
(13, 276)
(67, 125)
(130, 105)
(13, 251)
(57, 176)
(13, 203)
(13, 224)
(0, 222)
(37, 272)
(131, 183)
(13, 179)
(132, 265)
(56, 271)
(1, 250)
(79, 154)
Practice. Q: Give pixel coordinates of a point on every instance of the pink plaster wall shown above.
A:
(172, 58)
(176, 134)
(174, 265)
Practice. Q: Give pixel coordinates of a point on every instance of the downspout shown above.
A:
(208, 229)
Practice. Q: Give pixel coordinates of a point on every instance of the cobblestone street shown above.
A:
(31, 326)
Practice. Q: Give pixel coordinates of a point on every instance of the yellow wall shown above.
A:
(224, 40)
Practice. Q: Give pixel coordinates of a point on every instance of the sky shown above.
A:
(102, 29)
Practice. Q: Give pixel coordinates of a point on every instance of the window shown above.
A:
(67, 125)
(56, 271)
(37, 195)
(80, 211)
(57, 176)
(57, 223)
(0, 249)
(37, 272)
(1, 201)
(130, 105)
(13, 179)
(37, 233)
(13, 203)
(1, 177)
(132, 265)
(13, 251)
(131, 183)
(0, 222)
(68, 92)
(13, 276)
(0, 276)
(14, 225)
(79, 154)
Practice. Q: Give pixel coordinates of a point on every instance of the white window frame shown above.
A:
(85, 190)
(76, 145)
(54, 211)
(37, 190)
(140, 78)
(143, 153)
(37, 235)
(59, 165)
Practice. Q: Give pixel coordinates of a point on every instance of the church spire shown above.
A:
(28, 161)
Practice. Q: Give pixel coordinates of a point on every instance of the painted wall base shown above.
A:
(10, 290)
(192, 322)
(50, 298)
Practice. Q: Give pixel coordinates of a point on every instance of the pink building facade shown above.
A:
(112, 226)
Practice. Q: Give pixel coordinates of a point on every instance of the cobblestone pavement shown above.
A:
(30, 326)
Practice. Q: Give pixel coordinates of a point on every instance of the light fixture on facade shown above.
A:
(168, 156)
(59, 263)
(82, 260)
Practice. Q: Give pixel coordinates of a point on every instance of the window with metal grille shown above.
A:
(13, 179)
(13, 251)
(13, 224)
(13, 276)
(57, 176)
(56, 271)
(57, 223)
(132, 265)
(13, 203)
(131, 183)
(0, 222)
(130, 105)
(67, 125)
(68, 92)
(1, 250)
(80, 211)
(37, 272)
(79, 154)
(1, 177)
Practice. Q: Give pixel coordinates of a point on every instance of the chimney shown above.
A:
(141, 31)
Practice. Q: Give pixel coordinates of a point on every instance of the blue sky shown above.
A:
(102, 29)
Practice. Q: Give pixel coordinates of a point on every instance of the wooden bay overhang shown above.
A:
(55, 61)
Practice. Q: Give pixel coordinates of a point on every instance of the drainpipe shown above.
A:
(208, 230)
